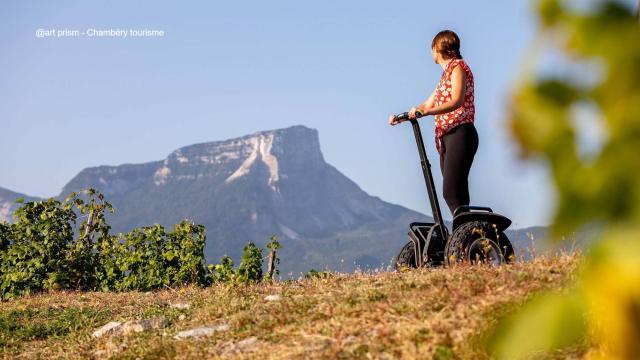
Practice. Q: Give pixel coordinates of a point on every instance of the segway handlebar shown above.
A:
(405, 116)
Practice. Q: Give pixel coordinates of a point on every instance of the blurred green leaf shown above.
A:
(605, 189)
(550, 322)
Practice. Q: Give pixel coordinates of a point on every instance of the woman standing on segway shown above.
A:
(452, 103)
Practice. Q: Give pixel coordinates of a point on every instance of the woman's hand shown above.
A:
(393, 120)
(421, 109)
(412, 113)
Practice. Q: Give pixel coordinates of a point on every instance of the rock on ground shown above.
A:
(129, 327)
(116, 328)
(240, 346)
(201, 331)
(180, 305)
(108, 329)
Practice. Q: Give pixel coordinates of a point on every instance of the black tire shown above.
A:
(507, 248)
(406, 258)
(477, 241)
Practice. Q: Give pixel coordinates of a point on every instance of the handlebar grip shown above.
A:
(405, 116)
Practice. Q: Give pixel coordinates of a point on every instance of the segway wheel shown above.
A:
(507, 249)
(477, 242)
(406, 259)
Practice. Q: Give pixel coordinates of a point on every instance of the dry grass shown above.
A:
(425, 314)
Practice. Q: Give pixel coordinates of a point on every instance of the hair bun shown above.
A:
(447, 43)
(453, 53)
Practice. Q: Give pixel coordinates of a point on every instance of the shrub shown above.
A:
(223, 272)
(273, 245)
(250, 268)
(34, 257)
(41, 251)
(140, 259)
(84, 254)
(183, 254)
(148, 257)
(4, 236)
(313, 273)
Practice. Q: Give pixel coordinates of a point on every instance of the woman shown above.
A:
(452, 104)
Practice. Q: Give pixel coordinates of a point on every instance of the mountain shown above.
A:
(8, 205)
(248, 188)
(252, 187)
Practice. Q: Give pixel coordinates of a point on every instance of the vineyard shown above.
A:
(67, 245)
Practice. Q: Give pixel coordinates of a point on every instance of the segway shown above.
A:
(477, 234)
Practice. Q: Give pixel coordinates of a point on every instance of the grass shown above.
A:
(423, 314)
(23, 325)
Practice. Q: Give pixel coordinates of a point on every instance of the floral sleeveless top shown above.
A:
(465, 113)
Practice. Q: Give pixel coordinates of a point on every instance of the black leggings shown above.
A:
(459, 146)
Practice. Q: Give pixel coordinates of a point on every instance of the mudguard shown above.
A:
(501, 222)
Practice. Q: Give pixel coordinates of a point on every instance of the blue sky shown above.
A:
(225, 69)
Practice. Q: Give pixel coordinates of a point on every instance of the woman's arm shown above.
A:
(428, 104)
(458, 89)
